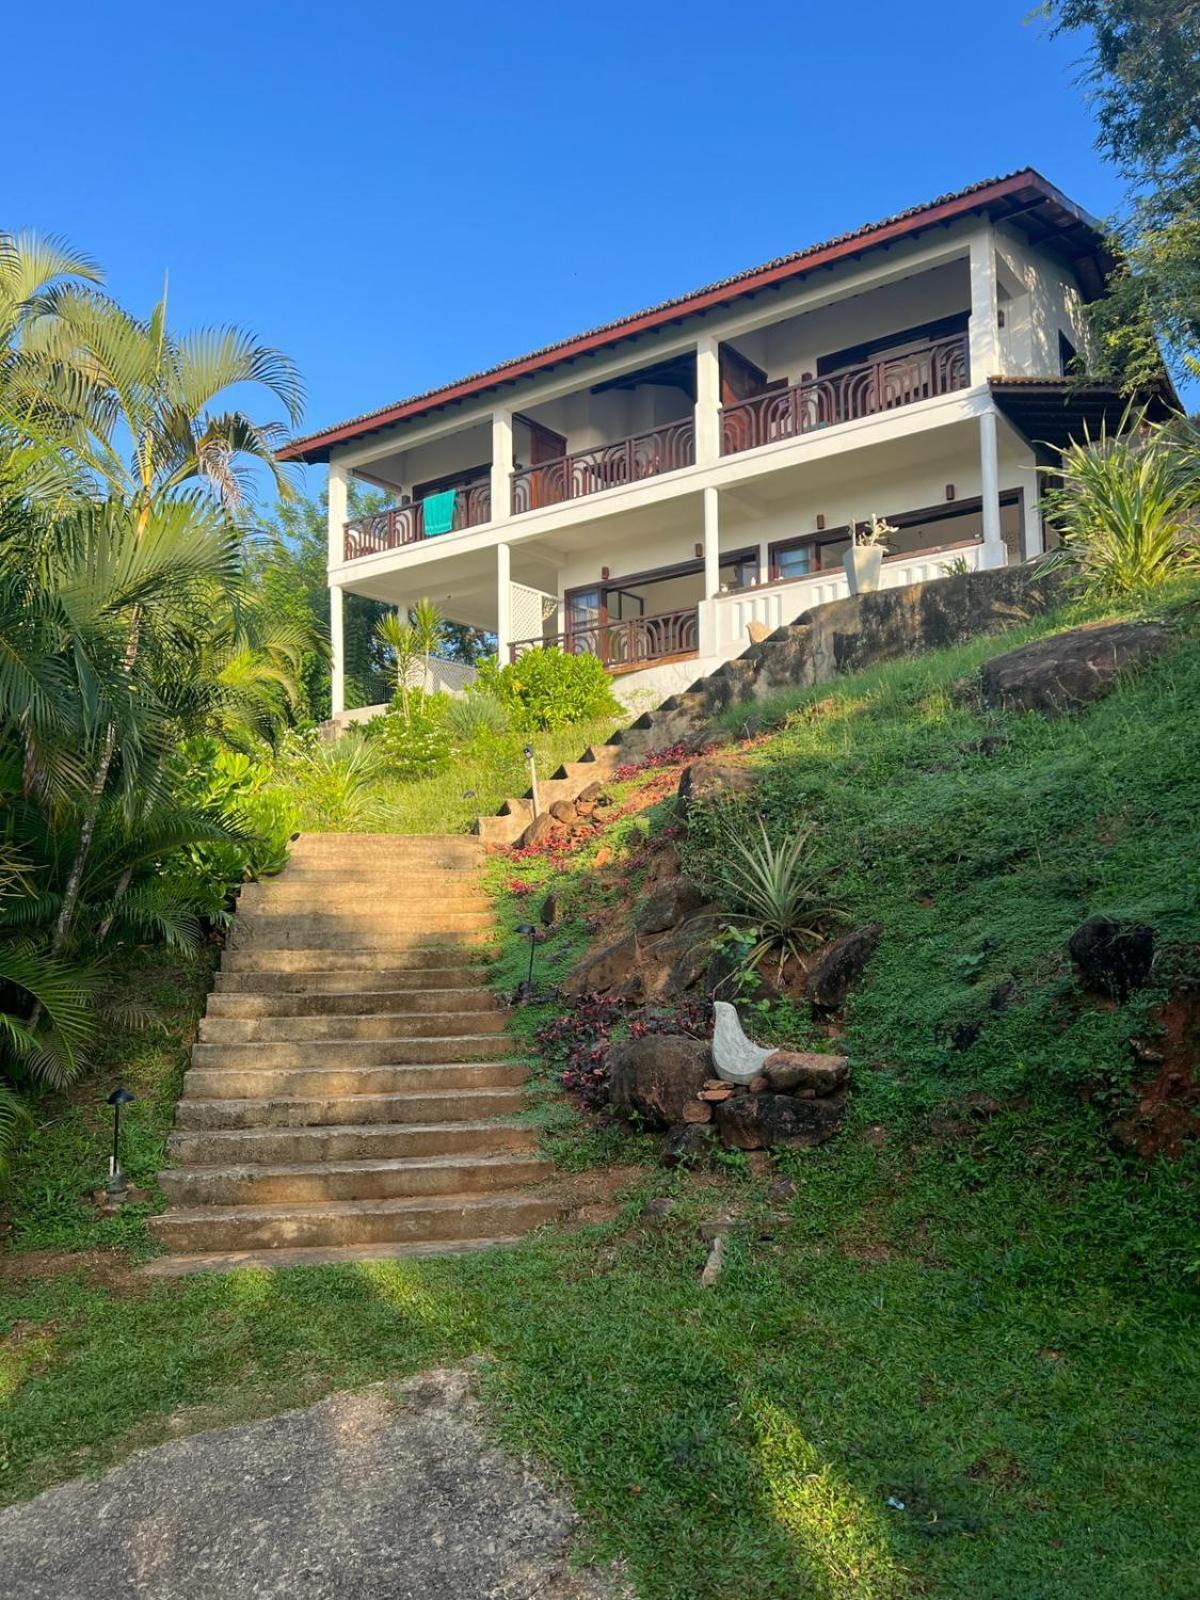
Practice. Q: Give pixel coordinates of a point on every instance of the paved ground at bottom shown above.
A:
(378, 1495)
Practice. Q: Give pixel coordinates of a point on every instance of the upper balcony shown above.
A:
(693, 407)
(788, 411)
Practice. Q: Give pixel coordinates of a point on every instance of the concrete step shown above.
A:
(317, 1256)
(300, 1082)
(301, 1183)
(416, 957)
(353, 1222)
(271, 979)
(400, 916)
(348, 1054)
(361, 1141)
(340, 1029)
(411, 1002)
(371, 947)
(340, 893)
(425, 1107)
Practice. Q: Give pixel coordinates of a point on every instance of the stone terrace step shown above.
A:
(338, 1029)
(231, 1082)
(418, 958)
(410, 1002)
(353, 1222)
(299, 1183)
(426, 1107)
(333, 935)
(269, 979)
(362, 1141)
(352, 1054)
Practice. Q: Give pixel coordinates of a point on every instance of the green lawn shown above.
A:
(960, 1360)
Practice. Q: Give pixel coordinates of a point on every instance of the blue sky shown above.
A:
(397, 195)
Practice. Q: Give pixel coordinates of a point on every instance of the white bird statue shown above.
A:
(736, 1058)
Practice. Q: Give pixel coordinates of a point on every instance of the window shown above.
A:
(793, 561)
(1066, 354)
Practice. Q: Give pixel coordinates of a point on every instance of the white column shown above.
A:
(337, 644)
(994, 554)
(984, 332)
(503, 603)
(335, 556)
(338, 512)
(502, 465)
(708, 401)
(712, 546)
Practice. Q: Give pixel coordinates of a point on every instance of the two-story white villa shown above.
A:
(648, 489)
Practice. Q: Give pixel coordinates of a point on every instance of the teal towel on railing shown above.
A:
(438, 512)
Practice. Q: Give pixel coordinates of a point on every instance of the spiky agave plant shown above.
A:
(1128, 509)
(775, 887)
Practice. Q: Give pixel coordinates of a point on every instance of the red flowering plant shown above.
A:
(578, 1041)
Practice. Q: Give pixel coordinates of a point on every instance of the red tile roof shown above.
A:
(1025, 196)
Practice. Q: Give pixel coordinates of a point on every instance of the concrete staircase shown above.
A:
(350, 1093)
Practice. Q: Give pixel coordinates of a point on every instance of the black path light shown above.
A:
(524, 992)
(116, 1178)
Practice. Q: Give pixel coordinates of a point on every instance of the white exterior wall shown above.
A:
(1043, 301)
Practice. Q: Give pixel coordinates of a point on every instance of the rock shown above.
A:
(830, 980)
(782, 1190)
(680, 958)
(590, 794)
(563, 811)
(539, 830)
(715, 1096)
(658, 1208)
(706, 780)
(789, 1070)
(671, 903)
(736, 1058)
(614, 969)
(765, 1121)
(549, 910)
(656, 1076)
(697, 1111)
(759, 1085)
(688, 1145)
(1070, 669)
(757, 632)
(602, 857)
(1113, 957)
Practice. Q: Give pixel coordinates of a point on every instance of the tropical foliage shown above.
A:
(546, 689)
(1127, 507)
(135, 657)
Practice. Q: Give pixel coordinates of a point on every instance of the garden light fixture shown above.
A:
(533, 787)
(524, 994)
(116, 1178)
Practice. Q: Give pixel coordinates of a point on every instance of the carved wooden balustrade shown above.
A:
(401, 525)
(865, 391)
(605, 466)
(633, 642)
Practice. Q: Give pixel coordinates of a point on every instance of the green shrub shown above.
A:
(549, 689)
(773, 887)
(477, 720)
(413, 739)
(208, 777)
(332, 783)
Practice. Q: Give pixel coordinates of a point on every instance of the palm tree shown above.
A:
(399, 639)
(143, 407)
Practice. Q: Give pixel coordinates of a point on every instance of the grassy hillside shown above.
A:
(954, 1357)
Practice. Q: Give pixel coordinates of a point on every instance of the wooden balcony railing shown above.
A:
(605, 466)
(844, 396)
(401, 525)
(623, 646)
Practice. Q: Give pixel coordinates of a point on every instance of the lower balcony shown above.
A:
(605, 466)
(397, 526)
(628, 644)
(846, 396)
